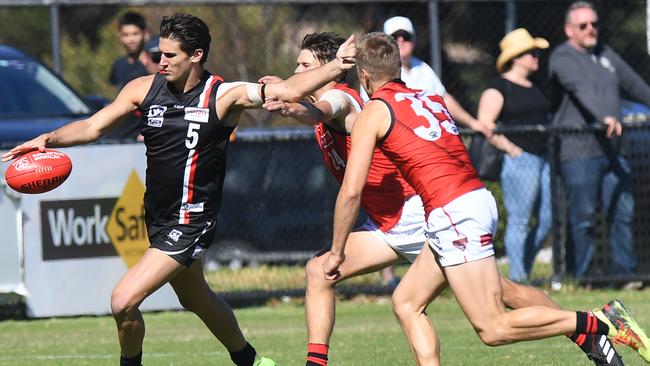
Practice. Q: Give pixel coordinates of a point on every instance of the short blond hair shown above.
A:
(378, 54)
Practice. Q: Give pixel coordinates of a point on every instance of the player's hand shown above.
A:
(346, 53)
(270, 79)
(331, 266)
(35, 144)
(481, 127)
(614, 127)
(278, 106)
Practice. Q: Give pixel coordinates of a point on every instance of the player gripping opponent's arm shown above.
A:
(334, 107)
(243, 95)
(92, 128)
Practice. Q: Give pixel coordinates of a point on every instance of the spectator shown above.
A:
(586, 76)
(514, 100)
(138, 61)
(417, 74)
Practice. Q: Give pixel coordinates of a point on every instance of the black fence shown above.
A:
(279, 200)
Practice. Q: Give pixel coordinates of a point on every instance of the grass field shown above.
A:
(366, 334)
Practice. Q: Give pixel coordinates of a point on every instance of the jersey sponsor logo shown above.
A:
(179, 106)
(174, 235)
(197, 114)
(155, 117)
(193, 207)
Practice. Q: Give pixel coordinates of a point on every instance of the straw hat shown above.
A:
(515, 43)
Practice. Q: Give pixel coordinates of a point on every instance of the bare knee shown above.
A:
(315, 274)
(122, 304)
(493, 335)
(404, 307)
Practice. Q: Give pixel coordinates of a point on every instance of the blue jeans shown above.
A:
(586, 180)
(526, 184)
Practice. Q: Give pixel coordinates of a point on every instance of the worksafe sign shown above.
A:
(81, 238)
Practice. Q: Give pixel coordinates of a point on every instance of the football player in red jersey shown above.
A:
(417, 133)
(188, 116)
(394, 232)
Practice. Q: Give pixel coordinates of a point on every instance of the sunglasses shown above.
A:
(406, 36)
(583, 26)
(155, 56)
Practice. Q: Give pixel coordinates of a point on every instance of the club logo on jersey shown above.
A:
(174, 235)
(324, 136)
(197, 114)
(193, 207)
(460, 243)
(155, 117)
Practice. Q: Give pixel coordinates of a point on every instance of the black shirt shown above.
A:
(523, 106)
(121, 73)
(124, 71)
(186, 153)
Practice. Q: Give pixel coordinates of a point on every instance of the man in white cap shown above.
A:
(417, 74)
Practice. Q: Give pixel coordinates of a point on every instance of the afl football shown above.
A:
(38, 172)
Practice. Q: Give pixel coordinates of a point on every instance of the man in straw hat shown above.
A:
(514, 100)
(587, 76)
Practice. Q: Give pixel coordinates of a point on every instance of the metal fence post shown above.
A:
(434, 38)
(511, 15)
(56, 36)
(558, 242)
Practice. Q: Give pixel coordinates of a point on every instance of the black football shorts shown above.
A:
(185, 243)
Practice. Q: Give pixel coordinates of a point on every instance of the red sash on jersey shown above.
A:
(385, 190)
(425, 145)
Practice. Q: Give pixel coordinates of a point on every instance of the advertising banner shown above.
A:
(81, 237)
(10, 225)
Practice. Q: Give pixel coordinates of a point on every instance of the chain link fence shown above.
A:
(263, 219)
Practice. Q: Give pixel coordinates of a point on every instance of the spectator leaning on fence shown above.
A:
(586, 76)
(514, 100)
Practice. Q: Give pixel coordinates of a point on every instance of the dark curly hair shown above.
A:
(322, 45)
(190, 31)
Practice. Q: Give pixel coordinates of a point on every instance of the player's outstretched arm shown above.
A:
(371, 126)
(90, 129)
(334, 107)
(304, 83)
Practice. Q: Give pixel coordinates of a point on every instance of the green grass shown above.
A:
(366, 334)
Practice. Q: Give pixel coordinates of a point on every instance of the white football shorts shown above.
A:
(407, 237)
(462, 230)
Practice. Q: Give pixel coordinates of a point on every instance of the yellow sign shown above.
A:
(126, 226)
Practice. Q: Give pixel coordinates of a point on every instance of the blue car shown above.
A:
(33, 99)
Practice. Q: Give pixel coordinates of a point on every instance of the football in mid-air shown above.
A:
(38, 172)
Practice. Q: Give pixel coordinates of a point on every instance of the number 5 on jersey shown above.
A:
(192, 135)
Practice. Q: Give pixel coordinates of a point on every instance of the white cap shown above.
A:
(394, 24)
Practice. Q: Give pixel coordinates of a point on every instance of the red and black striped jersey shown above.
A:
(385, 190)
(424, 143)
(186, 153)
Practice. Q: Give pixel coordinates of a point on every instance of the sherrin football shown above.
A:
(38, 172)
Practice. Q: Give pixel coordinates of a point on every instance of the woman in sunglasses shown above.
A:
(514, 100)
